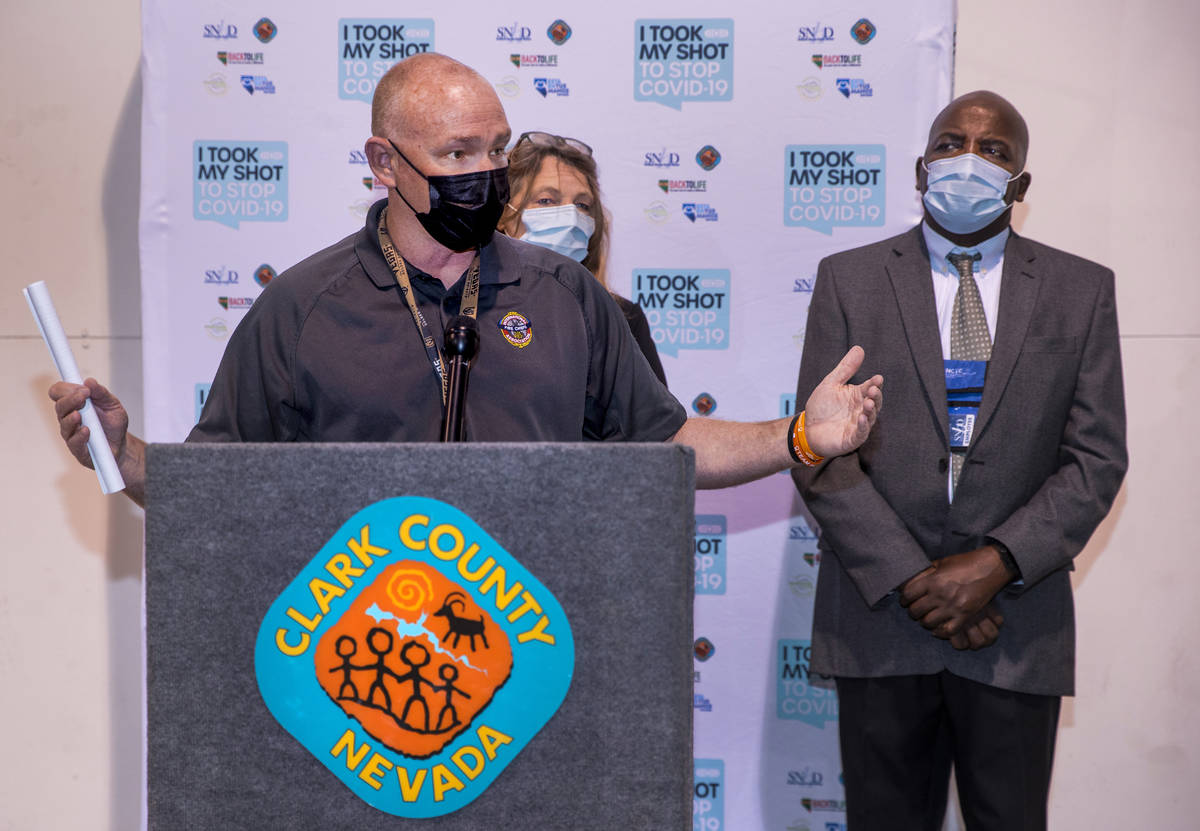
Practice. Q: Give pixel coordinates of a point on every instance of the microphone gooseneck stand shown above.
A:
(461, 346)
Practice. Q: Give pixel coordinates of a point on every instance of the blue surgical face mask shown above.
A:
(563, 228)
(966, 193)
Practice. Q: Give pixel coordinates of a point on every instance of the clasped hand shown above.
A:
(952, 598)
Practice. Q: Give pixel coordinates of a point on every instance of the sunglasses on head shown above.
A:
(540, 139)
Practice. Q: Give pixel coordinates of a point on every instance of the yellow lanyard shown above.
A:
(468, 307)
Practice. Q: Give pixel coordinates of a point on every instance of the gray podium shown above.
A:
(607, 528)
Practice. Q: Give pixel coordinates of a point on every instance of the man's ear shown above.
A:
(1022, 183)
(922, 176)
(379, 156)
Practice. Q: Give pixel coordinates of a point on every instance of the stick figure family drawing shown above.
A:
(415, 714)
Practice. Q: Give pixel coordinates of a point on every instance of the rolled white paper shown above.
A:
(48, 324)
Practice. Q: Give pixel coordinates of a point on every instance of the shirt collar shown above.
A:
(991, 250)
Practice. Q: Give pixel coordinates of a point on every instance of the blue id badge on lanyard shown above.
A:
(964, 391)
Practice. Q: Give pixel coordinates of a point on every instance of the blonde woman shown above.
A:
(555, 203)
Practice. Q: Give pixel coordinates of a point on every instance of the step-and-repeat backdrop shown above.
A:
(738, 144)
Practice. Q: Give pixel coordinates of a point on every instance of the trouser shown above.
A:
(900, 735)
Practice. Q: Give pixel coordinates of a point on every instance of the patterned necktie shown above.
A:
(969, 338)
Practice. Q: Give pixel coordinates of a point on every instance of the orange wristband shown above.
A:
(798, 445)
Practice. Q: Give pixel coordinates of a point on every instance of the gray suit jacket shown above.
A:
(1046, 459)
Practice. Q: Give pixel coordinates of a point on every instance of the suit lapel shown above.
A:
(1018, 294)
(908, 268)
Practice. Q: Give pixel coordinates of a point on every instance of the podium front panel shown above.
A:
(606, 528)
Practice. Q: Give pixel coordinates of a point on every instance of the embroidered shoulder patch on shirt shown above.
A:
(516, 329)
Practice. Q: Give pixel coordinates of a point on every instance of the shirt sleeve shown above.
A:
(251, 396)
(640, 327)
(625, 399)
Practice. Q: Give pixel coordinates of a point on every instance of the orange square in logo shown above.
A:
(413, 660)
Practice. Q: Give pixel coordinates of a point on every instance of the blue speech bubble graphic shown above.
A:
(201, 393)
(827, 186)
(710, 554)
(682, 59)
(708, 794)
(686, 308)
(368, 46)
(795, 696)
(240, 181)
(414, 657)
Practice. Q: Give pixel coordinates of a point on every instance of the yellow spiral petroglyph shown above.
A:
(409, 589)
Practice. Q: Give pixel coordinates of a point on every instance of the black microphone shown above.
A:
(462, 343)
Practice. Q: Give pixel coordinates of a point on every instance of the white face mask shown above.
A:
(965, 193)
(562, 228)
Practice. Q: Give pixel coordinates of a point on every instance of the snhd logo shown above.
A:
(414, 657)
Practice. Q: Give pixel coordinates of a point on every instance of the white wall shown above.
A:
(1110, 90)
(70, 559)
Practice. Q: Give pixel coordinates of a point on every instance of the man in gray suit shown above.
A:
(943, 608)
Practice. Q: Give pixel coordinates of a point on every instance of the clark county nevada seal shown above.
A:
(414, 657)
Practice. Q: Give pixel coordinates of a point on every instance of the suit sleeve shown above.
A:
(1048, 531)
(858, 526)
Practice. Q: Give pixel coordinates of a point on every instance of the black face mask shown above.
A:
(463, 208)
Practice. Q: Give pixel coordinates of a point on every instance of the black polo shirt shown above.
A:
(330, 352)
